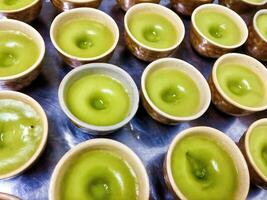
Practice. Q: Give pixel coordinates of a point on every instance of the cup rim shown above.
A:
(37, 107)
(94, 143)
(243, 30)
(259, 12)
(248, 153)
(79, 1)
(20, 9)
(201, 78)
(104, 66)
(54, 25)
(225, 140)
(41, 48)
(226, 97)
(8, 196)
(255, 3)
(180, 25)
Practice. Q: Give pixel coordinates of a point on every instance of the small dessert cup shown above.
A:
(4, 196)
(127, 4)
(64, 5)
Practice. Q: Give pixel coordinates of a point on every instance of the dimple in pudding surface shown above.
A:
(20, 134)
(153, 30)
(98, 100)
(18, 52)
(261, 23)
(202, 169)
(84, 38)
(241, 84)
(99, 175)
(14, 4)
(218, 27)
(173, 91)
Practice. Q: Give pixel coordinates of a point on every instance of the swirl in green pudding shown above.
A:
(98, 99)
(20, 134)
(99, 175)
(258, 147)
(173, 91)
(84, 38)
(18, 52)
(261, 23)
(153, 30)
(218, 27)
(241, 84)
(14, 4)
(202, 169)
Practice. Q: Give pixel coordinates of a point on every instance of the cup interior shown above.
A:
(260, 12)
(22, 8)
(255, 3)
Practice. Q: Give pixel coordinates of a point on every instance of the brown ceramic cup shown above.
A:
(207, 47)
(126, 4)
(5, 196)
(63, 5)
(221, 100)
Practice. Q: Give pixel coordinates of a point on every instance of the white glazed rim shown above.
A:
(260, 12)
(84, 10)
(255, 3)
(79, 1)
(200, 79)
(238, 20)
(226, 97)
(251, 160)
(40, 42)
(225, 141)
(20, 9)
(6, 196)
(105, 66)
(179, 25)
(37, 107)
(94, 143)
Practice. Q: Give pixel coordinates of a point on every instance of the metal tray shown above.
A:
(149, 139)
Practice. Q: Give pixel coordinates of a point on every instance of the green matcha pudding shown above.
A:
(14, 4)
(261, 23)
(254, 1)
(14, 52)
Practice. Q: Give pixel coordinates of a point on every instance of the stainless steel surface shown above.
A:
(147, 138)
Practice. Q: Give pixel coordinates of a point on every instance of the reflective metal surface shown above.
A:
(147, 138)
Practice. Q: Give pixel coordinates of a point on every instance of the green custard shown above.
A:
(218, 27)
(98, 100)
(173, 91)
(261, 23)
(202, 169)
(254, 1)
(258, 147)
(14, 52)
(99, 175)
(20, 134)
(84, 38)
(153, 30)
(14, 4)
(241, 84)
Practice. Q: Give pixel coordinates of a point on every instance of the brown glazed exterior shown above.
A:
(4, 196)
(26, 15)
(239, 6)
(126, 4)
(63, 5)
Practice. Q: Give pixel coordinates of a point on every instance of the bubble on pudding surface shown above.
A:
(239, 87)
(153, 33)
(7, 59)
(84, 42)
(99, 189)
(173, 94)
(217, 31)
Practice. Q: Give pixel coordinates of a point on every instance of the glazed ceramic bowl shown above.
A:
(257, 45)
(241, 6)
(23, 79)
(188, 69)
(36, 106)
(106, 69)
(64, 5)
(220, 99)
(145, 52)
(105, 144)
(4, 196)
(25, 14)
(92, 14)
(225, 142)
(126, 4)
(205, 46)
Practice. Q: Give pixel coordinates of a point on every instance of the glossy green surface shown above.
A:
(14, 4)
(14, 52)
(241, 85)
(202, 169)
(98, 99)
(20, 134)
(173, 91)
(254, 1)
(99, 175)
(261, 23)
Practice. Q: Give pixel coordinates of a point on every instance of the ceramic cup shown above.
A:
(257, 177)
(105, 144)
(226, 143)
(92, 14)
(191, 71)
(4, 196)
(126, 4)
(25, 14)
(36, 106)
(145, 52)
(23, 79)
(106, 69)
(220, 99)
(64, 5)
(257, 45)
(205, 46)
